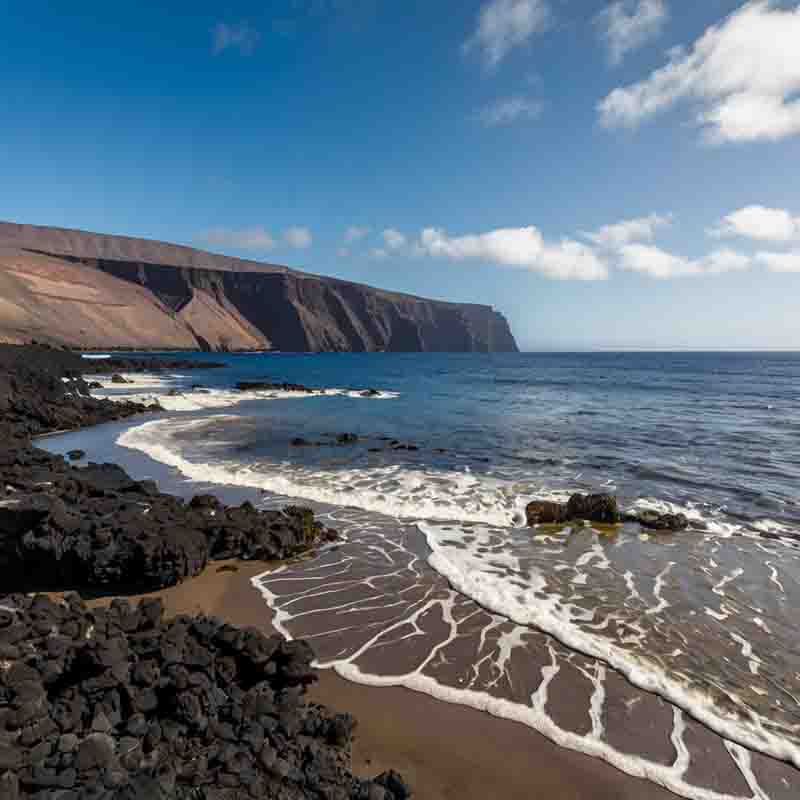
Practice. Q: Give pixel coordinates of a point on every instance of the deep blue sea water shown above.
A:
(720, 430)
(440, 587)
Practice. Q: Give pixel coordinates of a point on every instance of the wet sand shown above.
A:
(445, 751)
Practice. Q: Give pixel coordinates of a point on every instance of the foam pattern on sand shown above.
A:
(377, 613)
(613, 642)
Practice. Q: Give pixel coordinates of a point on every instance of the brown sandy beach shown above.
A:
(445, 751)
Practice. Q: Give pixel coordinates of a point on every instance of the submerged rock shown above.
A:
(268, 386)
(662, 522)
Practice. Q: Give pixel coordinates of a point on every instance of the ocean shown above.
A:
(664, 654)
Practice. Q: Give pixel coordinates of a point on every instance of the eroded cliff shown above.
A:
(97, 291)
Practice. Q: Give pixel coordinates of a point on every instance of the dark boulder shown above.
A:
(594, 507)
(116, 378)
(601, 508)
(76, 455)
(544, 512)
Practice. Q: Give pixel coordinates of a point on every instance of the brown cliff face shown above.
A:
(96, 291)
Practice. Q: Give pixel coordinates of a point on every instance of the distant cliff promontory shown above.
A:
(91, 290)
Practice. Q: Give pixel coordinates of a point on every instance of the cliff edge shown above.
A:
(90, 290)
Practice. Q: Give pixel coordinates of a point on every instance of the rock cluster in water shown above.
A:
(600, 508)
(118, 702)
(42, 390)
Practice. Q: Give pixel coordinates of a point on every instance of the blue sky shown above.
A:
(608, 174)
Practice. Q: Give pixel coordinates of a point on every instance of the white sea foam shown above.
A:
(535, 715)
(467, 570)
(135, 380)
(431, 495)
(395, 490)
(165, 391)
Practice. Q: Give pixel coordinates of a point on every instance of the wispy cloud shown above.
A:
(743, 75)
(780, 262)
(298, 237)
(239, 36)
(355, 233)
(379, 253)
(255, 238)
(393, 239)
(760, 223)
(509, 110)
(630, 230)
(504, 25)
(658, 263)
(626, 25)
(523, 248)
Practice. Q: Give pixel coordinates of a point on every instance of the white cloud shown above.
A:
(355, 233)
(239, 36)
(508, 110)
(759, 222)
(506, 24)
(298, 237)
(626, 25)
(256, 238)
(393, 238)
(379, 253)
(743, 75)
(725, 260)
(781, 262)
(523, 248)
(612, 237)
(658, 263)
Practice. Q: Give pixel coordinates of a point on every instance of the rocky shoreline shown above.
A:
(119, 702)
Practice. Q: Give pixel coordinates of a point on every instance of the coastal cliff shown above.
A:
(92, 290)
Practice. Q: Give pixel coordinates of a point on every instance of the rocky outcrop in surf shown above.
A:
(66, 525)
(91, 290)
(600, 508)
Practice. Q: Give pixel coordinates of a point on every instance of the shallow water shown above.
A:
(573, 631)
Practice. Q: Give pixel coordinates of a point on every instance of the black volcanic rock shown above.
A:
(120, 703)
(70, 526)
(659, 522)
(600, 508)
(593, 507)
